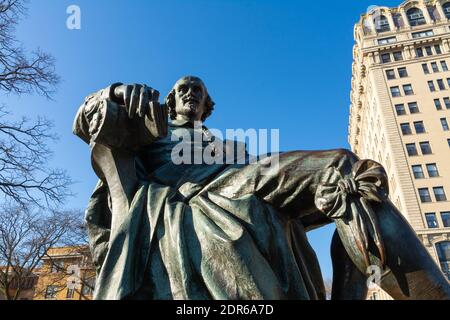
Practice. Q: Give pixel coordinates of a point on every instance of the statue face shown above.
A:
(190, 99)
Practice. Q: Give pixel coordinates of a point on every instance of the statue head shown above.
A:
(189, 100)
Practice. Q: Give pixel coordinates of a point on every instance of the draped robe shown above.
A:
(210, 231)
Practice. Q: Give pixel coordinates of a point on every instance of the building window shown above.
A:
(446, 219)
(444, 124)
(434, 66)
(432, 222)
(447, 102)
(402, 72)
(422, 34)
(419, 52)
(70, 293)
(444, 66)
(413, 108)
(429, 51)
(448, 142)
(406, 129)
(426, 148)
(425, 196)
(407, 88)
(418, 172)
(439, 193)
(420, 128)
(386, 58)
(433, 171)
(431, 86)
(443, 251)
(425, 68)
(395, 91)
(57, 266)
(437, 104)
(398, 56)
(448, 81)
(400, 109)
(390, 74)
(441, 84)
(381, 24)
(415, 17)
(387, 40)
(446, 8)
(437, 48)
(412, 149)
(50, 292)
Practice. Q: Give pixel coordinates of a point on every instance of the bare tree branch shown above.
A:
(24, 173)
(21, 73)
(57, 269)
(26, 236)
(28, 228)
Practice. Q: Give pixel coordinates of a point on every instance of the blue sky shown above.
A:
(268, 65)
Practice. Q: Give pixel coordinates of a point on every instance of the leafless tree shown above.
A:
(24, 174)
(26, 236)
(59, 270)
(21, 73)
(29, 225)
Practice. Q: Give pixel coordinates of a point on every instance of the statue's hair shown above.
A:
(170, 100)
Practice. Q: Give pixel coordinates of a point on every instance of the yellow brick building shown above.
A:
(27, 285)
(66, 274)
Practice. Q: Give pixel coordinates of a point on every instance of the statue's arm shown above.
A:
(105, 118)
(114, 128)
(96, 116)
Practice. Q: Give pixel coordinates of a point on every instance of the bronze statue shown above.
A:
(160, 230)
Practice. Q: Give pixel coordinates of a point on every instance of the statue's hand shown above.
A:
(136, 99)
(140, 101)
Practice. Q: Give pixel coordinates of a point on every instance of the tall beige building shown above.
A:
(400, 111)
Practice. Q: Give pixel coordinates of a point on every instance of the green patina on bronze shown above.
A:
(233, 231)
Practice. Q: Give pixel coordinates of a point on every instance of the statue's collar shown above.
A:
(182, 123)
